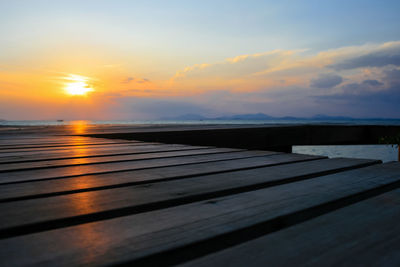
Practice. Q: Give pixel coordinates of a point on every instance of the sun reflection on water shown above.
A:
(79, 127)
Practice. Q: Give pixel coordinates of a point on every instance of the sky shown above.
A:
(140, 60)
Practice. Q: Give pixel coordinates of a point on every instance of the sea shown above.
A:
(386, 153)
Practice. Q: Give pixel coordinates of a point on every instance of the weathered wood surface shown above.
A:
(4, 148)
(83, 168)
(26, 165)
(14, 151)
(88, 153)
(300, 170)
(236, 162)
(150, 195)
(105, 202)
(363, 234)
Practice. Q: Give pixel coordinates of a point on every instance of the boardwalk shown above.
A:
(71, 200)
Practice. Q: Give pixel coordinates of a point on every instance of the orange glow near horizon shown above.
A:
(77, 85)
(79, 127)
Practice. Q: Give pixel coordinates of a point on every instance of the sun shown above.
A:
(77, 85)
(77, 88)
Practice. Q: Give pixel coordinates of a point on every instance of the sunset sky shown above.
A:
(130, 60)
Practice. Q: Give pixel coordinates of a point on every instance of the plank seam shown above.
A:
(145, 168)
(116, 161)
(55, 149)
(7, 147)
(120, 212)
(244, 188)
(103, 155)
(201, 248)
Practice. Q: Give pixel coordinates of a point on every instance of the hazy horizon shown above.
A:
(124, 60)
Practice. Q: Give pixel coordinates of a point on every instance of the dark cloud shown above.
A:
(382, 103)
(377, 59)
(353, 88)
(326, 81)
(392, 77)
(363, 87)
(373, 83)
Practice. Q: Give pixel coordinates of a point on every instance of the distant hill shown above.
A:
(252, 116)
(262, 116)
(256, 116)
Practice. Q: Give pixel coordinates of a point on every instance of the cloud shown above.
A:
(278, 82)
(370, 104)
(235, 67)
(326, 81)
(136, 80)
(384, 55)
(144, 80)
(128, 80)
(392, 77)
(297, 68)
(372, 83)
(364, 87)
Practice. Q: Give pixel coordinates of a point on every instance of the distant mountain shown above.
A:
(251, 116)
(256, 116)
(262, 116)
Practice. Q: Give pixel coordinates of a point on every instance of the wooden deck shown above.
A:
(70, 200)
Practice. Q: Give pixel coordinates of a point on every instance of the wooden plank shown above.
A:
(363, 234)
(117, 195)
(20, 166)
(181, 233)
(13, 139)
(42, 137)
(56, 141)
(74, 153)
(77, 149)
(60, 145)
(93, 169)
(45, 188)
(109, 152)
(135, 198)
(66, 148)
